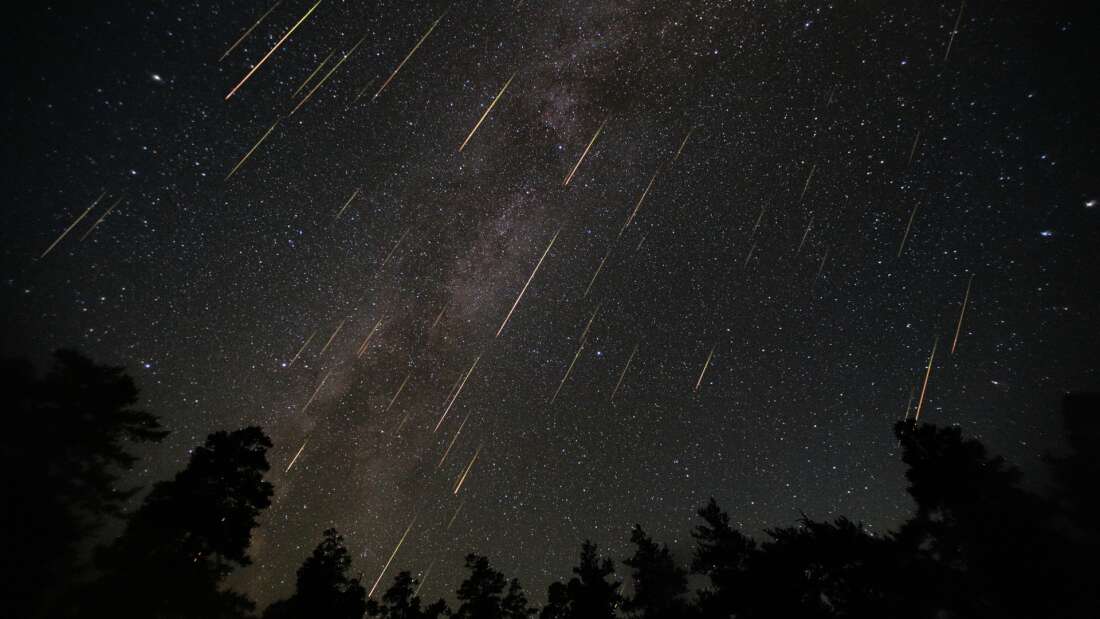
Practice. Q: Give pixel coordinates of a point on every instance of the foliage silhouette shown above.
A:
(66, 442)
(483, 594)
(400, 602)
(589, 594)
(189, 534)
(324, 588)
(660, 586)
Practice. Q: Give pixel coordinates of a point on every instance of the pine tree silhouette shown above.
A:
(589, 594)
(660, 585)
(324, 588)
(400, 602)
(188, 535)
(482, 595)
(65, 443)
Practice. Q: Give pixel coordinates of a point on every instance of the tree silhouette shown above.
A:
(722, 554)
(65, 443)
(589, 594)
(482, 595)
(189, 534)
(985, 538)
(323, 587)
(400, 602)
(659, 584)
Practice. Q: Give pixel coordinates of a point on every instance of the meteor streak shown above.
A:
(268, 55)
(905, 236)
(249, 31)
(345, 207)
(332, 337)
(457, 393)
(363, 347)
(913, 151)
(807, 185)
(399, 389)
(462, 479)
(392, 555)
(315, 392)
(805, 235)
(295, 458)
(250, 151)
(962, 313)
(596, 274)
(439, 316)
(759, 218)
(415, 47)
(300, 350)
(489, 109)
(640, 200)
(390, 255)
(569, 177)
(955, 30)
(705, 366)
(423, 578)
(584, 334)
(623, 375)
(457, 509)
(522, 292)
(927, 374)
(101, 218)
(452, 443)
(569, 371)
(328, 75)
(72, 225)
(749, 256)
(315, 72)
(682, 144)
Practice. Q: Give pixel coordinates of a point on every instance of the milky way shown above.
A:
(728, 183)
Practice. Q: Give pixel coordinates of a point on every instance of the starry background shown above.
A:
(801, 115)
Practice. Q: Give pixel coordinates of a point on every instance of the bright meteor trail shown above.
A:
(390, 560)
(415, 47)
(72, 225)
(489, 109)
(268, 55)
(249, 31)
(522, 292)
(569, 177)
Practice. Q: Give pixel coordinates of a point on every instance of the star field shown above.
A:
(774, 156)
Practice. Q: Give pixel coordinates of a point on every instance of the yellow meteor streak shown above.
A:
(101, 218)
(315, 392)
(327, 75)
(623, 375)
(581, 341)
(390, 255)
(596, 274)
(569, 177)
(927, 374)
(453, 440)
(392, 555)
(682, 144)
(522, 292)
(457, 393)
(363, 347)
(249, 31)
(268, 55)
(962, 313)
(457, 509)
(295, 458)
(399, 389)
(909, 404)
(315, 72)
(567, 373)
(302, 349)
(489, 109)
(250, 151)
(72, 225)
(705, 366)
(332, 337)
(415, 47)
(345, 207)
(639, 204)
(462, 480)
(807, 185)
(901, 247)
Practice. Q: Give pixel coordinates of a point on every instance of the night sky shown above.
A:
(769, 158)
